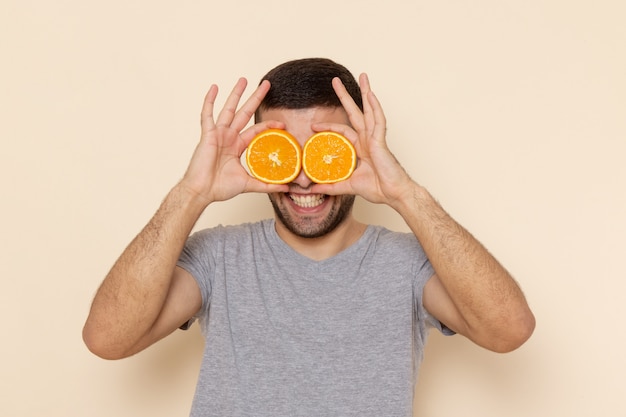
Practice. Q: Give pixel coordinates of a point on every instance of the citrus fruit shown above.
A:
(328, 157)
(274, 156)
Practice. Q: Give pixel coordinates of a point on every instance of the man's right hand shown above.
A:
(215, 172)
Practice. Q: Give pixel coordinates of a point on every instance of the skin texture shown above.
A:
(146, 297)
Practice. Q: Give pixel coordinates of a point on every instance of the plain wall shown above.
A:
(512, 113)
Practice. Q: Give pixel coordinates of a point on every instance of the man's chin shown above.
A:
(310, 222)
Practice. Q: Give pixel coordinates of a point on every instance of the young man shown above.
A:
(312, 312)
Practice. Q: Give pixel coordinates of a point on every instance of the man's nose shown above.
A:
(302, 180)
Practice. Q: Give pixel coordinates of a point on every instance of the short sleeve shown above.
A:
(424, 321)
(198, 258)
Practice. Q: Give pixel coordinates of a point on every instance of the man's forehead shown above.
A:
(316, 114)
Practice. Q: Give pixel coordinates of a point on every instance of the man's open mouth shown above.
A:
(307, 200)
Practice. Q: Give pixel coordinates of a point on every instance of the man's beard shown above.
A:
(306, 227)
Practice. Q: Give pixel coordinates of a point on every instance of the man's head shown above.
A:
(300, 95)
(306, 83)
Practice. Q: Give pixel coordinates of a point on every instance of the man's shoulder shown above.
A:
(231, 232)
(382, 233)
(397, 243)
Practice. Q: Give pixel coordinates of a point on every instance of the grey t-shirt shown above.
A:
(290, 336)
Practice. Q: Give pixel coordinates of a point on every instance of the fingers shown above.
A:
(340, 128)
(368, 113)
(227, 114)
(245, 113)
(338, 188)
(230, 116)
(375, 119)
(206, 116)
(248, 134)
(371, 121)
(354, 113)
(256, 186)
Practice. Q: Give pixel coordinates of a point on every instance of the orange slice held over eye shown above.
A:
(328, 157)
(274, 156)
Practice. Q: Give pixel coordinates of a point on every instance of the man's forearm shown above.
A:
(133, 293)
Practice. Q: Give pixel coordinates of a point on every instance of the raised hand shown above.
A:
(215, 172)
(378, 178)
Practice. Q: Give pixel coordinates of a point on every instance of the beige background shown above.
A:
(511, 112)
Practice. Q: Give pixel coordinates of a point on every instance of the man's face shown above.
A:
(301, 212)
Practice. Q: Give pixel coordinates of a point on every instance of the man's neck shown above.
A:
(327, 246)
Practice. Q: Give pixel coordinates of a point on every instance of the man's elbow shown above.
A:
(515, 333)
(100, 344)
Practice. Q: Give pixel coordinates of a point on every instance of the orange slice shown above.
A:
(274, 156)
(328, 157)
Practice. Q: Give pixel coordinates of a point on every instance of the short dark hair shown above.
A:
(305, 83)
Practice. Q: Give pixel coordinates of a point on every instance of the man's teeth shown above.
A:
(307, 201)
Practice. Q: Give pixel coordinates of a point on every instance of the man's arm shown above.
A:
(471, 292)
(145, 296)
